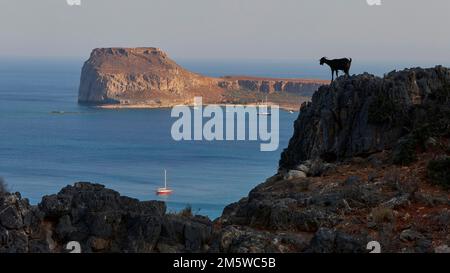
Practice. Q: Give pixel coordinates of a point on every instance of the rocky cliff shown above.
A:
(139, 75)
(100, 220)
(365, 114)
(368, 161)
(147, 76)
(303, 87)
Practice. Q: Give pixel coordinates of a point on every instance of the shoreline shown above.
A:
(150, 106)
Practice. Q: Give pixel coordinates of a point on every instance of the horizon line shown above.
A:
(231, 60)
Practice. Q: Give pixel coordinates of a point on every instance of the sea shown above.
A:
(49, 141)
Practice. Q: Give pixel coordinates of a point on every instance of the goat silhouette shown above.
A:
(343, 64)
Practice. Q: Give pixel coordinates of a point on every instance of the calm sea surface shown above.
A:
(126, 150)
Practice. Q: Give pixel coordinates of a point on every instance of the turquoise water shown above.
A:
(42, 151)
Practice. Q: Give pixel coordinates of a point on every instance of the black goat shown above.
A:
(343, 64)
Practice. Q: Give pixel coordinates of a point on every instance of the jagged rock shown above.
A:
(364, 114)
(10, 218)
(292, 174)
(282, 206)
(432, 199)
(100, 219)
(323, 241)
(352, 181)
(19, 223)
(423, 245)
(98, 244)
(94, 215)
(350, 126)
(277, 216)
(317, 167)
(397, 202)
(329, 241)
(194, 233)
(442, 249)
(303, 168)
(235, 239)
(410, 235)
(442, 220)
(298, 86)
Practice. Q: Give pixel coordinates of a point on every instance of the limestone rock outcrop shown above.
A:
(101, 220)
(147, 76)
(138, 75)
(303, 87)
(364, 114)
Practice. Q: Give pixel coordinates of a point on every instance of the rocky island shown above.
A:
(368, 161)
(147, 77)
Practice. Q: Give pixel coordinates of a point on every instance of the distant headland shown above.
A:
(148, 78)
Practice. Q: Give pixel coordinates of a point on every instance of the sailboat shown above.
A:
(266, 113)
(165, 190)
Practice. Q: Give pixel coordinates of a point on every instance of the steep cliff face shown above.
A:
(389, 140)
(147, 76)
(364, 114)
(303, 87)
(138, 75)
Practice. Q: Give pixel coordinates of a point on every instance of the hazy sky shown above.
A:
(231, 29)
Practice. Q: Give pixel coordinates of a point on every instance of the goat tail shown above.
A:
(350, 60)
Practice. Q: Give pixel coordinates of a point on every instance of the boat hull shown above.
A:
(164, 191)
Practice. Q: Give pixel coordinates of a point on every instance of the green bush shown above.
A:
(422, 132)
(381, 110)
(434, 121)
(3, 187)
(382, 215)
(405, 151)
(186, 212)
(442, 95)
(438, 172)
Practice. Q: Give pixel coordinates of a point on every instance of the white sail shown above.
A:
(165, 178)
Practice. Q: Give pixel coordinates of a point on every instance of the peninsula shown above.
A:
(148, 78)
